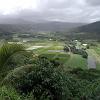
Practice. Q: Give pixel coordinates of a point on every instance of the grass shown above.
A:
(45, 43)
(69, 61)
(53, 45)
(73, 61)
(76, 61)
(50, 45)
(62, 57)
(9, 94)
(98, 65)
(97, 50)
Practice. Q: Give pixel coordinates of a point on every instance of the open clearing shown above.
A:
(76, 61)
(54, 50)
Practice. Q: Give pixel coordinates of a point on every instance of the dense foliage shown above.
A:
(77, 51)
(45, 81)
(12, 56)
(42, 78)
(8, 50)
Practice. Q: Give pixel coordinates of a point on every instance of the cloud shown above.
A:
(93, 2)
(52, 10)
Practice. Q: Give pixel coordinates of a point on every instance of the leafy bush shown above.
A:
(66, 49)
(80, 52)
(12, 56)
(42, 79)
(7, 51)
(9, 94)
(89, 75)
(84, 54)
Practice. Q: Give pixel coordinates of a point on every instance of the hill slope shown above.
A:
(36, 27)
(89, 31)
(93, 28)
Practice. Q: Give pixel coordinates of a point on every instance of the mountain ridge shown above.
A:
(51, 26)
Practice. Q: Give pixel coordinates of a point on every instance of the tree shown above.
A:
(66, 49)
(7, 52)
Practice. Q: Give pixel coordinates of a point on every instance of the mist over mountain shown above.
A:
(21, 25)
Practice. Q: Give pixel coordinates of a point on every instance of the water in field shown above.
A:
(56, 51)
(91, 62)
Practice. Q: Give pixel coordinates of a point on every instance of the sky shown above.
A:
(84, 11)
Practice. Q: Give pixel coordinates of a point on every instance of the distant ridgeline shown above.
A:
(89, 31)
(63, 29)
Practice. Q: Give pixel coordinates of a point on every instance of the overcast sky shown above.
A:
(52, 10)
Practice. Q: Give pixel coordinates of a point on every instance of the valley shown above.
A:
(49, 49)
(54, 49)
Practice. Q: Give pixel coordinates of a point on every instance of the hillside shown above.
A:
(36, 27)
(93, 28)
(89, 31)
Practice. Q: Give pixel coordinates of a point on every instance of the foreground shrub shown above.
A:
(7, 51)
(89, 75)
(12, 56)
(9, 94)
(42, 79)
(45, 81)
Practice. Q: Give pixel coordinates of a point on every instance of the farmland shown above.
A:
(54, 49)
(48, 63)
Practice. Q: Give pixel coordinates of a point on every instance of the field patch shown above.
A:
(77, 61)
(61, 57)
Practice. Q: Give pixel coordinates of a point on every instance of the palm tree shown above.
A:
(7, 51)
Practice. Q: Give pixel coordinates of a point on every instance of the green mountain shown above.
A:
(36, 27)
(89, 31)
(91, 28)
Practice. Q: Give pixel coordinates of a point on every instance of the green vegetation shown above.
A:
(51, 65)
(94, 50)
(61, 57)
(47, 72)
(7, 51)
(76, 61)
(11, 56)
